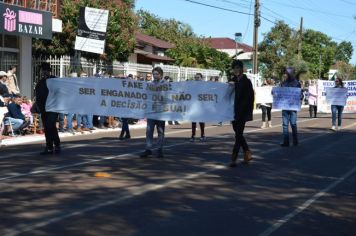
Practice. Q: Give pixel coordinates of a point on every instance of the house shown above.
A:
(150, 50)
(236, 50)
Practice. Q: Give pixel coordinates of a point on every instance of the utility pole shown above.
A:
(319, 66)
(300, 39)
(257, 24)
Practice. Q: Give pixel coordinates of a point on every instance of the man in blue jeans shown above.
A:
(289, 116)
(157, 73)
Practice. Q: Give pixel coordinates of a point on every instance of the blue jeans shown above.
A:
(149, 133)
(61, 121)
(15, 123)
(339, 110)
(289, 117)
(82, 119)
(90, 121)
(69, 121)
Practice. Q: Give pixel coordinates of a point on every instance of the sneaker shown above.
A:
(71, 131)
(127, 137)
(192, 140)
(333, 128)
(339, 128)
(202, 139)
(47, 151)
(61, 130)
(146, 154)
(284, 144)
(177, 123)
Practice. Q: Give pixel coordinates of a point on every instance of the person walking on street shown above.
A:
(49, 119)
(266, 109)
(244, 100)
(337, 108)
(290, 116)
(157, 73)
(125, 131)
(198, 77)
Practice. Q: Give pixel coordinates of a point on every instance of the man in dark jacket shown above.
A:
(289, 116)
(244, 99)
(3, 88)
(49, 119)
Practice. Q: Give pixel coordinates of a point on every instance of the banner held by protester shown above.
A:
(190, 101)
(286, 98)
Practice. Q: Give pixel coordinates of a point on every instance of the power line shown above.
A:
(282, 17)
(216, 7)
(248, 23)
(234, 3)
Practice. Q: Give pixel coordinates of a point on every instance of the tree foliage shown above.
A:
(344, 51)
(120, 38)
(190, 50)
(279, 49)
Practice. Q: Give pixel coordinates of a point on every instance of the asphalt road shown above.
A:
(304, 190)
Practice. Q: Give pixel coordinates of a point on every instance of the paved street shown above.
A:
(304, 190)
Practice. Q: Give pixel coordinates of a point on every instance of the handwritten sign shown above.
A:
(191, 100)
(336, 96)
(325, 107)
(286, 98)
(263, 94)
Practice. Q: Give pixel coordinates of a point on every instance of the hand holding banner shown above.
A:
(286, 98)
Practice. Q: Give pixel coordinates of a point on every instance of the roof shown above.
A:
(153, 41)
(227, 43)
(153, 56)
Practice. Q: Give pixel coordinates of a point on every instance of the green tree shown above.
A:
(344, 51)
(277, 50)
(120, 40)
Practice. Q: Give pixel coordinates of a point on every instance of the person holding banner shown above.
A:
(337, 108)
(49, 118)
(157, 73)
(244, 100)
(290, 116)
(198, 77)
(266, 108)
(312, 99)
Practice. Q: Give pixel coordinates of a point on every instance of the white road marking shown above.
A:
(307, 203)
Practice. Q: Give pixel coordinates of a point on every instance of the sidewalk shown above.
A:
(12, 141)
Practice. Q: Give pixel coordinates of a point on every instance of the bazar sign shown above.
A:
(25, 22)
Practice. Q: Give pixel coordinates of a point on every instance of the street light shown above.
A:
(238, 39)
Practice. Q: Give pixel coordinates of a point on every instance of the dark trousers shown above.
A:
(311, 109)
(266, 111)
(49, 120)
(125, 127)
(194, 128)
(240, 140)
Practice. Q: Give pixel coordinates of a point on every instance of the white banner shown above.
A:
(287, 98)
(190, 101)
(263, 94)
(325, 107)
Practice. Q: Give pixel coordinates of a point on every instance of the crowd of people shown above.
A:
(19, 112)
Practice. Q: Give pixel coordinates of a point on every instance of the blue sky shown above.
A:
(336, 18)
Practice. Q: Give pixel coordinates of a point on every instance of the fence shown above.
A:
(65, 65)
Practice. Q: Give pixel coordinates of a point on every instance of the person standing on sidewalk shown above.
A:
(266, 108)
(198, 77)
(157, 73)
(337, 108)
(312, 99)
(289, 116)
(125, 131)
(49, 118)
(244, 100)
